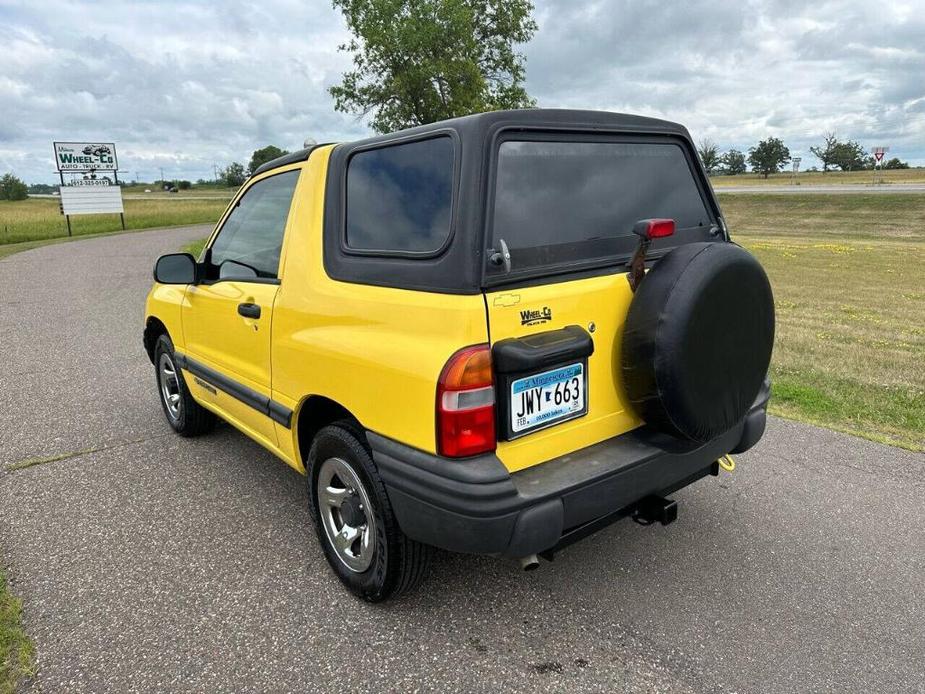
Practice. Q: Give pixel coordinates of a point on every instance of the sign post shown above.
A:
(86, 192)
(878, 153)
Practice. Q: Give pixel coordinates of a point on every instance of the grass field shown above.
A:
(194, 248)
(38, 219)
(138, 193)
(17, 655)
(849, 281)
(817, 178)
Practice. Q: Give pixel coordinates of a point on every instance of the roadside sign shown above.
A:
(796, 163)
(85, 192)
(75, 157)
(878, 153)
(96, 199)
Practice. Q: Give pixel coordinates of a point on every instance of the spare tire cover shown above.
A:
(697, 340)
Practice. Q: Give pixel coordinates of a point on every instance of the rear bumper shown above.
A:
(475, 505)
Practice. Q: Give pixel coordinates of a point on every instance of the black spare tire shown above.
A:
(697, 340)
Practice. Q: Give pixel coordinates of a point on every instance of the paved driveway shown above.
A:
(152, 563)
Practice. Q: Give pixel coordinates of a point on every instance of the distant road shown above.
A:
(845, 188)
(153, 196)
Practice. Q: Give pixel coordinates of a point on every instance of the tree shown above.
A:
(733, 162)
(233, 174)
(849, 156)
(826, 153)
(895, 163)
(768, 156)
(12, 188)
(184, 185)
(262, 156)
(420, 61)
(709, 155)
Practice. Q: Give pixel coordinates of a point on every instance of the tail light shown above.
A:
(466, 404)
(654, 228)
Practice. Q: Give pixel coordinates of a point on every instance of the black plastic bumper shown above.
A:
(475, 505)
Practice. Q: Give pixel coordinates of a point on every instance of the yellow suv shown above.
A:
(495, 334)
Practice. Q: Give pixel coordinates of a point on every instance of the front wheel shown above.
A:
(185, 415)
(354, 521)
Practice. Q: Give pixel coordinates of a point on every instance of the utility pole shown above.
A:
(162, 175)
(215, 171)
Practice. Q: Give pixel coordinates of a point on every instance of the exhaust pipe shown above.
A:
(529, 563)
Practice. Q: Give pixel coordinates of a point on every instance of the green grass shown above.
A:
(817, 178)
(138, 192)
(39, 219)
(194, 248)
(847, 273)
(17, 654)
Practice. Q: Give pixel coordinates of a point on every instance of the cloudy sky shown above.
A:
(185, 85)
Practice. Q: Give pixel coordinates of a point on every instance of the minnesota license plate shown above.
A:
(548, 397)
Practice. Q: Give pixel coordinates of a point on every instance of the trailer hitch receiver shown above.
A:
(656, 509)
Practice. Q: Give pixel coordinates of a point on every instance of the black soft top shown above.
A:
(458, 268)
(543, 118)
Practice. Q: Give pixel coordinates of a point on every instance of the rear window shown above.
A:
(576, 202)
(399, 198)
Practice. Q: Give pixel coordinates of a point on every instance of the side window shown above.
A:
(399, 198)
(249, 242)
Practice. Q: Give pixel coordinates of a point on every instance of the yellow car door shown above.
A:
(227, 316)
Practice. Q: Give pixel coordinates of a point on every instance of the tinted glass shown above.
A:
(561, 202)
(250, 241)
(175, 268)
(399, 198)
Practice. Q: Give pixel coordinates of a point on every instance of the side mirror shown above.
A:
(175, 268)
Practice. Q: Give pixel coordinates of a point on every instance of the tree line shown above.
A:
(771, 155)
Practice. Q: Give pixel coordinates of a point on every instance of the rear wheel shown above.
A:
(184, 414)
(354, 521)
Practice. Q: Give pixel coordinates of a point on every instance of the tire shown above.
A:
(183, 413)
(380, 562)
(697, 340)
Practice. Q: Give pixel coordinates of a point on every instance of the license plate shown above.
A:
(546, 398)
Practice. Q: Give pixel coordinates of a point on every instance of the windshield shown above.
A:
(576, 202)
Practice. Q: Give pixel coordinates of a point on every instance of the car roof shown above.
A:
(556, 118)
(553, 118)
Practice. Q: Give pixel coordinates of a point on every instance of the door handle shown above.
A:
(249, 310)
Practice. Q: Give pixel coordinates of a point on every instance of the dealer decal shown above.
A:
(535, 317)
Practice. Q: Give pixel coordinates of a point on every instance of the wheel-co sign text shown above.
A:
(85, 156)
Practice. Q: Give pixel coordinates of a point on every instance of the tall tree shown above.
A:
(768, 156)
(12, 188)
(233, 174)
(709, 155)
(826, 152)
(263, 155)
(420, 61)
(733, 162)
(849, 155)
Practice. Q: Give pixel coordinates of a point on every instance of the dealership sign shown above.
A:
(91, 200)
(75, 157)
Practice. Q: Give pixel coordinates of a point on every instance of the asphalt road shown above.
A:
(147, 562)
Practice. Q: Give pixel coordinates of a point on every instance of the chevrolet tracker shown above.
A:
(495, 334)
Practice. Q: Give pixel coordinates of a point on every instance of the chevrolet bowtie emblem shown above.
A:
(506, 300)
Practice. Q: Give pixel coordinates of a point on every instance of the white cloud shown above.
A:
(183, 85)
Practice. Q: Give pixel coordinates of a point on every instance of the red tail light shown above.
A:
(466, 404)
(654, 228)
